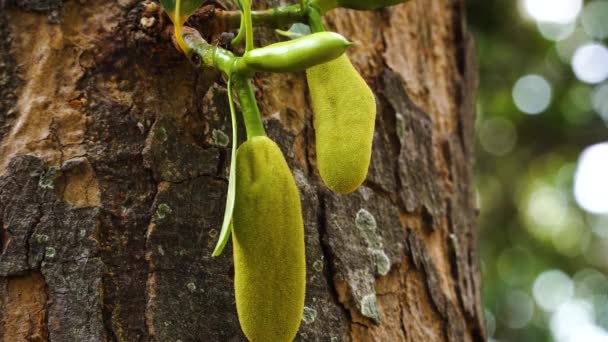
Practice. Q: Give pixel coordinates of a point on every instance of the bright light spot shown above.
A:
(591, 179)
(555, 31)
(551, 289)
(590, 63)
(595, 19)
(555, 11)
(532, 94)
(599, 101)
(519, 309)
(574, 322)
(497, 136)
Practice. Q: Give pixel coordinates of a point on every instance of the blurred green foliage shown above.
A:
(530, 221)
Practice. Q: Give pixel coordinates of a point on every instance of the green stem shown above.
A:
(240, 35)
(273, 18)
(248, 25)
(216, 57)
(315, 20)
(249, 106)
(177, 29)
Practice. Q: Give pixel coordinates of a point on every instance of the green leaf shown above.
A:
(296, 30)
(225, 232)
(187, 8)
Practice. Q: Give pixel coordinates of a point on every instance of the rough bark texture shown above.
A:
(113, 164)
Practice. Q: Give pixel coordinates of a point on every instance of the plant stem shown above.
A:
(315, 20)
(240, 35)
(177, 29)
(248, 25)
(215, 56)
(249, 106)
(273, 18)
(226, 62)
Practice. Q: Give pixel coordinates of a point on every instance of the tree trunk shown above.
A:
(113, 162)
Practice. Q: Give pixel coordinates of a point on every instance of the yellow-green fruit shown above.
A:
(344, 118)
(268, 240)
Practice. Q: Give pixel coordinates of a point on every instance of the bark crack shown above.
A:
(30, 233)
(328, 257)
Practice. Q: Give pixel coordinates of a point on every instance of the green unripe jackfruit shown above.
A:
(344, 118)
(268, 240)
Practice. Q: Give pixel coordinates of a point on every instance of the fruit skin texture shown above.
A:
(344, 120)
(268, 241)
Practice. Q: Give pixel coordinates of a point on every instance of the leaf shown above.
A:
(299, 28)
(225, 232)
(296, 30)
(187, 8)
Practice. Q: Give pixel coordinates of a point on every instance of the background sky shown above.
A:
(542, 167)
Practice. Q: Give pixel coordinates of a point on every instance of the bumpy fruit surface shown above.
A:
(344, 118)
(268, 240)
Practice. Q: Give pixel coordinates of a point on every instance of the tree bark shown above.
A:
(113, 162)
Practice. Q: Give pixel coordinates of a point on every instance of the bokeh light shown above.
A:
(515, 266)
(543, 225)
(546, 211)
(519, 309)
(566, 47)
(596, 253)
(575, 106)
(551, 289)
(497, 136)
(574, 321)
(599, 101)
(532, 94)
(595, 19)
(589, 283)
(591, 179)
(599, 226)
(556, 31)
(556, 11)
(572, 237)
(490, 322)
(590, 63)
